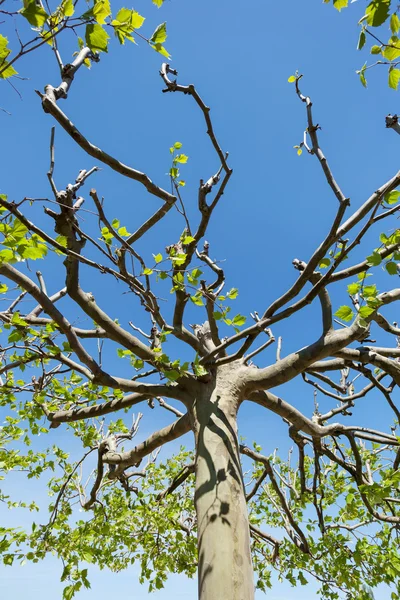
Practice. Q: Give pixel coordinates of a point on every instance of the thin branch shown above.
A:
(262, 347)
(300, 541)
(257, 485)
(178, 480)
(51, 168)
(170, 408)
(316, 149)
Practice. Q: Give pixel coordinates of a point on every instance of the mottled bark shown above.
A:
(225, 567)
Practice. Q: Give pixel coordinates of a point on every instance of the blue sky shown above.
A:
(277, 206)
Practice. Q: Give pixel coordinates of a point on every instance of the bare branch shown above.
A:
(172, 86)
(256, 486)
(170, 408)
(122, 460)
(262, 347)
(315, 148)
(179, 479)
(50, 106)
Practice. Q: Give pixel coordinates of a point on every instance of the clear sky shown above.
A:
(277, 206)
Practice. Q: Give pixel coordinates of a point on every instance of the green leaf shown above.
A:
(181, 158)
(392, 50)
(34, 252)
(158, 3)
(339, 4)
(7, 256)
(233, 293)
(136, 20)
(374, 259)
(161, 50)
(147, 271)
(107, 235)
(158, 258)
(123, 16)
(97, 38)
(15, 336)
(384, 239)
(3, 288)
(125, 22)
(362, 76)
(179, 259)
(15, 234)
(353, 288)
(377, 12)
(17, 320)
(87, 556)
(160, 34)
(363, 275)
(391, 268)
(68, 592)
(325, 262)
(292, 79)
(369, 290)
(34, 13)
(376, 49)
(177, 145)
(123, 232)
(172, 374)
(197, 299)
(392, 197)
(302, 579)
(121, 353)
(67, 8)
(373, 302)
(365, 311)
(196, 273)
(361, 40)
(394, 78)
(394, 23)
(239, 320)
(199, 370)
(101, 10)
(6, 70)
(345, 313)
(137, 363)
(188, 239)
(8, 559)
(194, 276)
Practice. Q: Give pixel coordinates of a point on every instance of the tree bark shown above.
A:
(225, 566)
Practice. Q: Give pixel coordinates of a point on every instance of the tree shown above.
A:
(343, 485)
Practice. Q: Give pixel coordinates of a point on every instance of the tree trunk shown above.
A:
(225, 566)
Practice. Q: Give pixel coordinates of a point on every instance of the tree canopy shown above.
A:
(127, 312)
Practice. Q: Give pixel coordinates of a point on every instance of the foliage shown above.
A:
(380, 19)
(96, 20)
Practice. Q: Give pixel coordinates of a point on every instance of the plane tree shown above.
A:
(224, 510)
